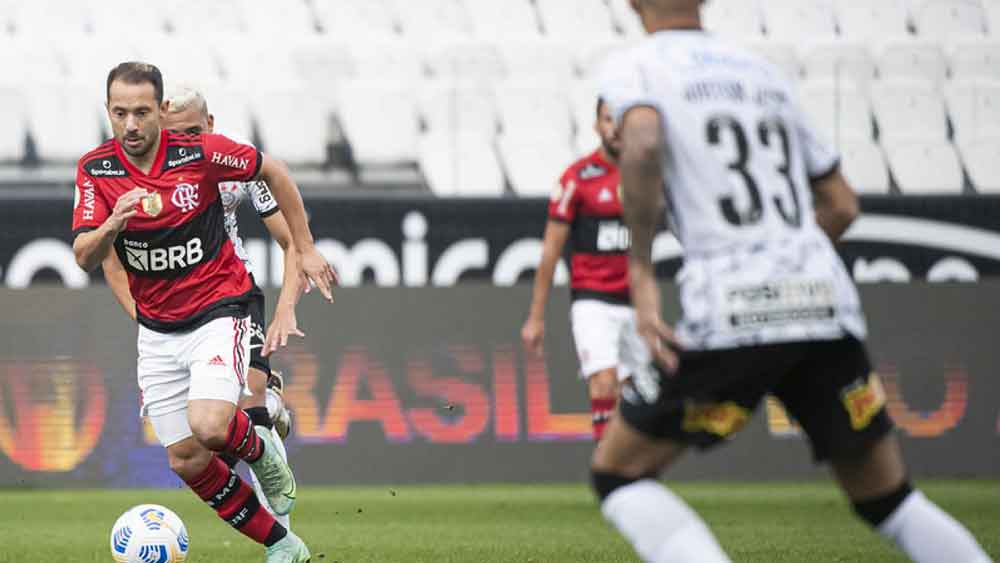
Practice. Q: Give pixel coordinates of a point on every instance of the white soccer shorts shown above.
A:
(209, 362)
(607, 336)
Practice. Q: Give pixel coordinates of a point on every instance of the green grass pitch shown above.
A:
(765, 522)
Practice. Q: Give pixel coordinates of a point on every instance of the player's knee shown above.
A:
(187, 459)
(211, 432)
(257, 382)
(604, 385)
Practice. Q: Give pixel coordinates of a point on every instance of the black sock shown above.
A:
(876, 510)
(259, 416)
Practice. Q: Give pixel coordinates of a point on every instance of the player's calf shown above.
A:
(603, 387)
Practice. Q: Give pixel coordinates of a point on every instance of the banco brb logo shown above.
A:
(52, 413)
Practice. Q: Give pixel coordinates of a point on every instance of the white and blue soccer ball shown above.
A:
(149, 533)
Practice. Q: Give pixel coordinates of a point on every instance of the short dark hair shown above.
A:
(600, 104)
(133, 72)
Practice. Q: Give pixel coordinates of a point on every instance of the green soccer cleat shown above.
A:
(290, 549)
(274, 475)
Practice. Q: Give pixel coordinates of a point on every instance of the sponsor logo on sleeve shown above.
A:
(179, 156)
(230, 161)
(85, 196)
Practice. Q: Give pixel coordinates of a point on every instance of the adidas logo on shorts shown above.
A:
(217, 361)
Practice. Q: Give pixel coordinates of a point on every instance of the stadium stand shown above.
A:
(357, 77)
(926, 167)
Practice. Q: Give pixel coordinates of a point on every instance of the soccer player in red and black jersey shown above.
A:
(586, 210)
(151, 197)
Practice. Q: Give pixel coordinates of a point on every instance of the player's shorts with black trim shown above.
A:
(258, 324)
(828, 387)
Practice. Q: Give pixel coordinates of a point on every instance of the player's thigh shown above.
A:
(837, 399)
(164, 384)
(625, 451)
(257, 385)
(595, 333)
(218, 358)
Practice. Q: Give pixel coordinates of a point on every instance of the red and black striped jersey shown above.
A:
(181, 265)
(588, 197)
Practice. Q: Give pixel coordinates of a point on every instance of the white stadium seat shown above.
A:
(64, 121)
(778, 53)
(944, 19)
(425, 19)
(464, 166)
(195, 17)
(909, 109)
(458, 111)
(380, 121)
(912, 58)
(573, 19)
(279, 109)
(467, 60)
(232, 111)
(51, 17)
(323, 62)
(839, 61)
(974, 107)
(583, 101)
(14, 132)
(839, 111)
(28, 60)
(870, 20)
(975, 59)
(538, 60)
(500, 20)
(591, 58)
(733, 18)
(993, 16)
(534, 163)
(863, 164)
(793, 20)
(982, 162)
(526, 108)
(244, 63)
(626, 19)
(270, 21)
(399, 59)
(349, 19)
(182, 58)
(926, 167)
(115, 18)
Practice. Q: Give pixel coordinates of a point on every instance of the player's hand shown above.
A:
(318, 271)
(533, 335)
(125, 208)
(283, 325)
(658, 336)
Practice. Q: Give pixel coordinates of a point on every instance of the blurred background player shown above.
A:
(141, 197)
(187, 112)
(767, 303)
(586, 207)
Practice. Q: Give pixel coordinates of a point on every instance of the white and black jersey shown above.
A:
(738, 165)
(233, 195)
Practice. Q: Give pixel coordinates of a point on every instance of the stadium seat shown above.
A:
(349, 19)
(974, 107)
(88, 60)
(926, 167)
(463, 166)
(590, 59)
(778, 53)
(14, 133)
(518, 17)
(575, 19)
(323, 62)
(539, 60)
(982, 162)
(27, 60)
(794, 20)
(626, 19)
(197, 18)
(583, 101)
(526, 108)
(733, 18)
(870, 20)
(279, 111)
(51, 17)
(400, 59)
(863, 164)
(114, 18)
(839, 111)
(182, 58)
(909, 109)
(64, 122)
(451, 111)
(943, 19)
(232, 111)
(975, 59)
(839, 61)
(277, 20)
(245, 65)
(467, 60)
(430, 18)
(993, 17)
(533, 164)
(912, 58)
(380, 121)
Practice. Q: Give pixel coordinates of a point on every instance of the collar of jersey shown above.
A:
(154, 172)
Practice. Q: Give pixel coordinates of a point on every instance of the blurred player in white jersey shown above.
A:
(187, 112)
(756, 200)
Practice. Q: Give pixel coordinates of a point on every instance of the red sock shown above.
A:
(234, 501)
(242, 440)
(601, 409)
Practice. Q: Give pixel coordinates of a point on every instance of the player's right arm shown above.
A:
(117, 279)
(533, 331)
(97, 222)
(836, 204)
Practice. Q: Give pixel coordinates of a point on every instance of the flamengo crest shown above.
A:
(185, 197)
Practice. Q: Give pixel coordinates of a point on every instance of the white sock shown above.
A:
(273, 403)
(285, 520)
(660, 526)
(929, 535)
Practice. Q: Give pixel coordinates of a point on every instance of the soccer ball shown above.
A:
(149, 533)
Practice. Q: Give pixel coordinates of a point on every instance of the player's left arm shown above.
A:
(643, 203)
(836, 204)
(284, 322)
